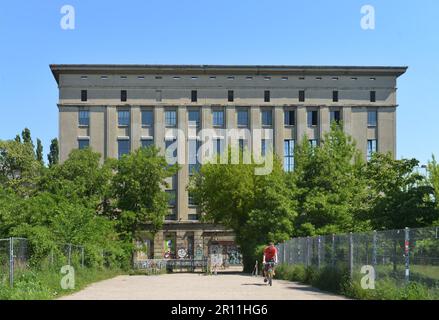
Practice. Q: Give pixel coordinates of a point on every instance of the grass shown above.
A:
(45, 284)
(338, 281)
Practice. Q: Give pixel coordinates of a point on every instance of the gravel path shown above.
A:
(189, 286)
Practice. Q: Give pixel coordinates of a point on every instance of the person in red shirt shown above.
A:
(270, 255)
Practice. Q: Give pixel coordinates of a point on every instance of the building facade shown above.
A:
(115, 109)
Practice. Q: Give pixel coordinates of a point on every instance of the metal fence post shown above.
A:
(307, 251)
(407, 254)
(70, 254)
(374, 251)
(351, 255)
(82, 257)
(11, 262)
(333, 251)
(319, 239)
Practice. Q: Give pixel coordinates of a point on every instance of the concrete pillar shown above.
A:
(346, 118)
(231, 121)
(183, 173)
(325, 122)
(158, 245)
(97, 130)
(111, 129)
(301, 123)
(387, 130)
(159, 128)
(278, 134)
(135, 127)
(68, 136)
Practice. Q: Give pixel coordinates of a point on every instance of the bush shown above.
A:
(338, 281)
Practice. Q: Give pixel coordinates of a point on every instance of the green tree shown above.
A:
(39, 151)
(331, 190)
(53, 156)
(258, 208)
(18, 166)
(138, 190)
(433, 178)
(400, 196)
(26, 136)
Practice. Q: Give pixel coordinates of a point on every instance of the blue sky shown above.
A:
(314, 32)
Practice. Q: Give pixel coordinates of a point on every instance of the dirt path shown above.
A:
(197, 287)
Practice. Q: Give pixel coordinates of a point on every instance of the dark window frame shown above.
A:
(84, 95)
(302, 97)
(194, 96)
(267, 96)
(123, 95)
(230, 96)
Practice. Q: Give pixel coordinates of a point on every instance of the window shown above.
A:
(147, 142)
(83, 143)
(192, 202)
(266, 96)
(84, 117)
(241, 145)
(289, 155)
(147, 118)
(289, 117)
(217, 147)
(372, 118)
(170, 118)
(123, 95)
(267, 117)
(230, 96)
(335, 116)
(218, 118)
(83, 95)
(265, 143)
(312, 118)
(171, 197)
(123, 118)
(158, 95)
(313, 143)
(373, 96)
(242, 118)
(123, 147)
(194, 97)
(194, 118)
(371, 148)
(335, 96)
(301, 95)
(171, 152)
(194, 163)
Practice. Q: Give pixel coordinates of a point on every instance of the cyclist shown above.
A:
(270, 255)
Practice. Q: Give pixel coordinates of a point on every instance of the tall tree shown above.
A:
(258, 208)
(433, 177)
(25, 134)
(39, 152)
(138, 187)
(18, 138)
(401, 198)
(331, 191)
(53, 155)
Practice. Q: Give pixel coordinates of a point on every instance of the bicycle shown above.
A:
(269, 271)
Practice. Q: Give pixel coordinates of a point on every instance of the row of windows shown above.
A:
(218, 146)
(105, 77)
(218, 118)
(230, 96)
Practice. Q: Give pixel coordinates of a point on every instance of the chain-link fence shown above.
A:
(401, 255)
(17, 255)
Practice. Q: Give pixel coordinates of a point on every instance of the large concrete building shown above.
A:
(115, 109)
